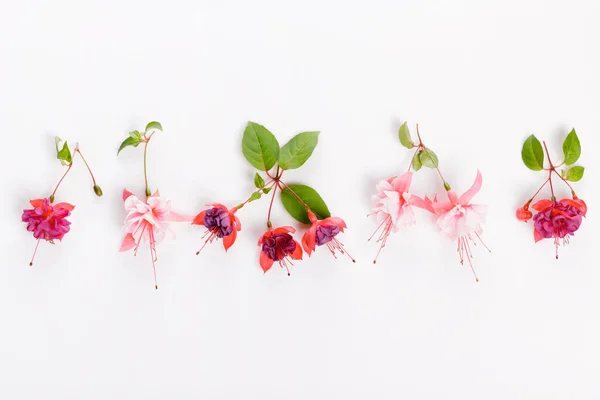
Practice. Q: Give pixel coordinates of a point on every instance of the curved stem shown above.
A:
(148, 193)
(538, 191)
(87, 165)
(271, 206)
(565, 181)
(60, 181)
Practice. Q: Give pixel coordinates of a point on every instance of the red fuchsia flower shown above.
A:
(459, 219)
(393, 207)
(324, 232)
(557, 220)
(47, 221)
(279, 245)
(147, 221)
(220, 223)
(523, 213)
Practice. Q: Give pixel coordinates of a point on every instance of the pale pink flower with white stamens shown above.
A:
(147, 221)
(392, 207)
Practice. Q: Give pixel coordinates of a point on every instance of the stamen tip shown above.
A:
(374, 261)
(31, 264)
(476, 279)
(197, 253)
(156, 287)
(289, 274)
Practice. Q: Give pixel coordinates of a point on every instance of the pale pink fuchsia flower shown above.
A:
(220, 223)
(558, 220)
(147, 221)
(47, 221)
(393, 207)
(279, 245)
(324, 232)
(458, 219)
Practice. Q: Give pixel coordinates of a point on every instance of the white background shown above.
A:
(478, 76)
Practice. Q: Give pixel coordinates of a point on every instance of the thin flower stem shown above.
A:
(261, 190)
(437, 168)
(87, 165)
(271, 206)
(565, 181)
(552, 168)
(538, 191)
(61, 179)
(413, 157)
(146, 141)
(295, 195)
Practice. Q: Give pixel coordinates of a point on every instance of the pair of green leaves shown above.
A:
(425, 157)
(532, 154)
(261, 148)
(63, 153)
(259, 182)
(135, 137)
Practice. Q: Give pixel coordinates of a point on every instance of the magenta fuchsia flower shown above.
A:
(279, 245)
(47, 221)
(393, 207)
(557, 220)
(220, 223)
(324, 233)
(147, 221)
(458, 219)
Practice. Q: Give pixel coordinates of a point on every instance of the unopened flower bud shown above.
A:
(97, 190)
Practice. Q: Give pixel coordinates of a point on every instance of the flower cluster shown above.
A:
(457, 218)
(147, 221)
(262, 150)
(554, 219)
(47, 220)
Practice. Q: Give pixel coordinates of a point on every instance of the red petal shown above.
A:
(238, 223)
(309, 240)
(228, 241)
(66, 206)
(297, 254)
(265, 262)
(36, 203)
(578, 204)
(199, 219)
(284, 229)
(542, 205)
(536, 236)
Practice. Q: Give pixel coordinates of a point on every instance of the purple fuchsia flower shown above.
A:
(279, 245)
(557, 219)
(221, 223)
(324, 232)
(47, 221)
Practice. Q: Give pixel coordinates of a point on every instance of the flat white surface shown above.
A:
(479, 76)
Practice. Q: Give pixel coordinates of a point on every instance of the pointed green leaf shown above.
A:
(153, 126)
(428, 158)
(575, 174)
(136, 134)
(260, 147)
(294, 153)
(405, 138)
(258, 181)
(533, 154)
(254, 196)
(309, 196)
(416, 162)
(571, 148)
(65, 154)
(267, 190)
(130, 141)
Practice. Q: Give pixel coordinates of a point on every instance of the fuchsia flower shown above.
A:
(47, 221)
(459, 219)
(220, 223)
(557, 219)
(147, 221)
(324, 232)
(278, 245)
(393, 207)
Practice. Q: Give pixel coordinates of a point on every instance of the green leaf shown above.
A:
(405, 138)
(254, 196)
(571, 148)
(136, 134)
(153, 126)
(416, 162)
(533, 154)
(309, 196)
(260, 147)
(258, 181)
(428, 158)
(295, 152)
(64, 154)
(130, 141)
(267, 190)
(575, 174)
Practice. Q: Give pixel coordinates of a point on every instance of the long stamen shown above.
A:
(386, 233)
(152, 242)
(137, 246)
(484, 245)
(379, 227)
(35, 252)
(469, 257)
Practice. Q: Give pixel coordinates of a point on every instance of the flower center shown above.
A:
(325, 233)
(278, 246)
(217, 220)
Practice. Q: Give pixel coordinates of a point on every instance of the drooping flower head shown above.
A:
(323, 233)
(279, 245)
(557, 220)
(47, 221)
(458, 219)
(147, 221)
(392, 207)
(220, 223)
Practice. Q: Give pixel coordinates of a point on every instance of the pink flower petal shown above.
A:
(473, 190)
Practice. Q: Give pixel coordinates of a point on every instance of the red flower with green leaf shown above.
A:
(554, 219)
